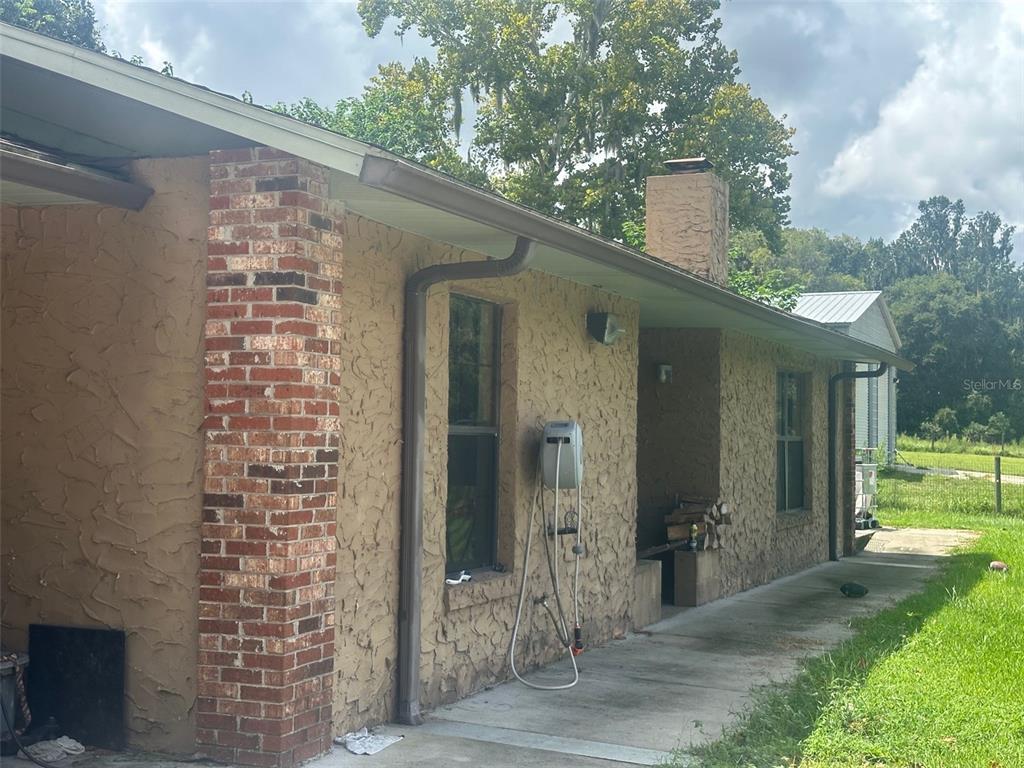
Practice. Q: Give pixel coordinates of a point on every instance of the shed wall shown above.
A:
(872, 328)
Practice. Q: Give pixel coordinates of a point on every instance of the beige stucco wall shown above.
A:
(762, 544)
(551, 369)
(712, 433)
(103, 313)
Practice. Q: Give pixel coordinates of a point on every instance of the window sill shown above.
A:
(793, 518)
(486, 587)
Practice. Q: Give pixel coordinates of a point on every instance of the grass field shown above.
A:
(906, 443)
(937, 681)
(1011, 465)
(943, 498)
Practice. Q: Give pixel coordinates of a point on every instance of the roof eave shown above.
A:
(383, 170)
(415, 182)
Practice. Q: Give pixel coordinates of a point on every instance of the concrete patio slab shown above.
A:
(678, 683)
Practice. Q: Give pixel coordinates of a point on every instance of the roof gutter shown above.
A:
(431, 188)
(833, 489)
(42, 171)
(410, 594)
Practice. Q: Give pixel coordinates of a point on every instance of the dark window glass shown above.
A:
(472, 362)
(473, 351)
(471, 495)
(789, 488)
(795, 474)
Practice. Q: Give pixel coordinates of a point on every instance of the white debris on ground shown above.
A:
(362, 742)
(53, 751)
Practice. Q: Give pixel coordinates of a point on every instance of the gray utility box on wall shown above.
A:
(697, 577)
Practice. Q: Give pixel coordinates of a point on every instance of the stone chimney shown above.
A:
(688, 218)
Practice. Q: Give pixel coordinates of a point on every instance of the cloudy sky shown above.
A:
(892, 101)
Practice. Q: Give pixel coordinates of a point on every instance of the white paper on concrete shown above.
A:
(362, 742)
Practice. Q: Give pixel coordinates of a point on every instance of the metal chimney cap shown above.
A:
(689, 165)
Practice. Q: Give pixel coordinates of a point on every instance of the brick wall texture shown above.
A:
(266, 614)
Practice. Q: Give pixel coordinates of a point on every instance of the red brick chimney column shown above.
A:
(266, 611)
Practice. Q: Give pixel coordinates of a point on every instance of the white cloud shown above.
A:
(128, 28)
(956, 127)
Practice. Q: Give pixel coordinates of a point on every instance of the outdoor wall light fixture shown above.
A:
(664, 374)
(604, 327)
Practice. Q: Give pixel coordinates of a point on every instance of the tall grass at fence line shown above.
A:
(971, 462)
(944, 497)
(959, 445)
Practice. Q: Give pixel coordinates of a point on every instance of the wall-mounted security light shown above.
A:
(664, 374)
(604, 327)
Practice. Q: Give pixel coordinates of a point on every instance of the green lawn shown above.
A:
(937, 681)
(906, 443)
(1011, 465)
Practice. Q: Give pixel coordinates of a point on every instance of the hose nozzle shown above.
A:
(577, 641)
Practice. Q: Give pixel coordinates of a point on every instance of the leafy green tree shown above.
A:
(399, 110)
(945, 419)
(977, 407)
(634, 234)
(958, 303)
(748, 253)
(73, 21)
(953, 335)
(975, 432)
(977, 250)
(809, 257)
(997, 428)
(769, 288)
(930, 430)
(573, 127)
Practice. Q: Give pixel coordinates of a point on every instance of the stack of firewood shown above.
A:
(707, 517)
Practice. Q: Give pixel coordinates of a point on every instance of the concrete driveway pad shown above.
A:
(674, 685)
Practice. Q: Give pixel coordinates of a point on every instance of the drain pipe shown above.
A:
(414, 380)
(833, 489)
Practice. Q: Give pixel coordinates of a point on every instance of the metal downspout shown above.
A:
(410, 593)
(833, 486)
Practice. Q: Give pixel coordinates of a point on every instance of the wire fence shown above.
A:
(952, 484)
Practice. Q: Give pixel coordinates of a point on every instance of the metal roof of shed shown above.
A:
(96, 108)
(845, 311)
(836, 307)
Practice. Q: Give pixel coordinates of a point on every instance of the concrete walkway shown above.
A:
(674, 685)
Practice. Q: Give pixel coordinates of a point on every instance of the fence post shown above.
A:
(999, 485)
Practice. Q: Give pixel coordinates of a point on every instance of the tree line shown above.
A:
(577, 102)
(956, 297)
